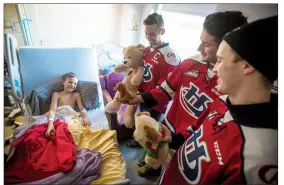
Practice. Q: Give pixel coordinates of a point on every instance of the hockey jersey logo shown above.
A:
(190, 156)
(192, 73)
(147, 75)
(193, 102)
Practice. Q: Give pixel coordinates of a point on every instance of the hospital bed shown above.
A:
(31, 67)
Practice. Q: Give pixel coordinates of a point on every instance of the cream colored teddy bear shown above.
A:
(127, 89)
(149, 134)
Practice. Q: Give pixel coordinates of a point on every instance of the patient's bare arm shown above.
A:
(83, 111)
(51, 115)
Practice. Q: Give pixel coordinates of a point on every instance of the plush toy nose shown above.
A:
(124, 61)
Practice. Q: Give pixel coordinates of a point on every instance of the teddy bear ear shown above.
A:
(142, 113)
(141, 46)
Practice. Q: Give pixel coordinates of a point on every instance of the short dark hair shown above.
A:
(68, 75)
(219, 23)
(154, 18)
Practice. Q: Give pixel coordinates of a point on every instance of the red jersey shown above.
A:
(229, 145)
(158, 63)
(192, 86)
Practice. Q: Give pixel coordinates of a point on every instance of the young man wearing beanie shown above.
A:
(235, 139)
(192, 85)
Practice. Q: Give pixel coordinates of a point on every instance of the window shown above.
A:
(183, 32)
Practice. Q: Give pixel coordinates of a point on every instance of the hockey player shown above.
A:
(159, 60)
(235, 139)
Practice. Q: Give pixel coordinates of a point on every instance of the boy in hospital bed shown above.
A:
(67, 96)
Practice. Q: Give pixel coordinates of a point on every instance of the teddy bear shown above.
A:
(149, 133)
(127, 89)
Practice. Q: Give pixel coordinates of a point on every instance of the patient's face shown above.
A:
(70, 84)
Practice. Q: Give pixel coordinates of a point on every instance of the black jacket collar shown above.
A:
(262, 115)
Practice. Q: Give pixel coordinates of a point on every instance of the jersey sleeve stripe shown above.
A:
(167, 87)
(166, 92)
(170, 86)
(169, 125)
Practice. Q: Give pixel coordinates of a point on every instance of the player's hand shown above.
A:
(137, 99)
(134, 101)
(50, 130)
(168, 135)
(86, 122)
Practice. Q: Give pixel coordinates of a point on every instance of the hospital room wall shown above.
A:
(74, 24)
(12, 23)
(88, 24)
(130, 23)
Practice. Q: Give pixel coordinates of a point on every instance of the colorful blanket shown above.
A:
(111, 164)
(86, 170)
(37, 157)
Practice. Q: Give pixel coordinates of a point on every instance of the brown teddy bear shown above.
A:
(127, 89)
(149, 133)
